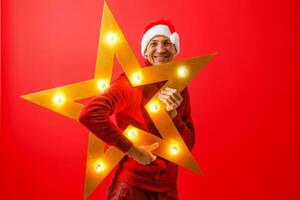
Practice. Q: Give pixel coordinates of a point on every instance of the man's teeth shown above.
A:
(161, 56)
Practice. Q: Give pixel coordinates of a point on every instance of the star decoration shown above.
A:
(178, 74)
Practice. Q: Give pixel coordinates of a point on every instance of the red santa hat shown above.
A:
(162, 27)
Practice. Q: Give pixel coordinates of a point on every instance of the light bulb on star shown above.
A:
(132, 134)
(182, 71)
(99, 167)
(137, 77)
(58, 99)
(174, 149)
(111, 38)
(154, 107)
(102, 85)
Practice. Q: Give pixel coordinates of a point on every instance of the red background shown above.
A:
(240, 101)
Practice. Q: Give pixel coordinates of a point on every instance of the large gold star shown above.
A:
(178, 75)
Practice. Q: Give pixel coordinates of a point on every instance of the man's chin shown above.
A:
(160, 62)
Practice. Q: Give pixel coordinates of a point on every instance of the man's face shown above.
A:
(160, 50)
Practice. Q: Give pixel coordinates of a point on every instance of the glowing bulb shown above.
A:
(174, 149)
(182, 72)
(137, 77)
(58, 99)
(132, 134)
(99, 167)
(111, 38)
(102, 85)
(154, 107)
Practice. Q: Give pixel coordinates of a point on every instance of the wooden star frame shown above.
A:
(178, 75)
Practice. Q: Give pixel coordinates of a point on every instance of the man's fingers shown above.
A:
(154, 157)
(169, 93)
(168, 97)
(150, 159)
(152, 147)
(169, 104)
(175, 95)
(170, 89)
(167, 100)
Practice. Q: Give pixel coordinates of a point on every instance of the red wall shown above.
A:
(240, 101)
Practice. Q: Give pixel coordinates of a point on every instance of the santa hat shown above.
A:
(162, 27)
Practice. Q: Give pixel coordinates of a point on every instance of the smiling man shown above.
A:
(160, 50)
(141, 175)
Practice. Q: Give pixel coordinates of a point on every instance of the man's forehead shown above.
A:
(159, 38)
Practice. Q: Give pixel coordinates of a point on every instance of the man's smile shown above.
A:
(161, 58)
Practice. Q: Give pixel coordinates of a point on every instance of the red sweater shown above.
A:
(128, 105)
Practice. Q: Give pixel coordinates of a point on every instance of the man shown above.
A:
(141, 175)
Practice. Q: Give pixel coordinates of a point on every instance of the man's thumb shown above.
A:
(154, 146)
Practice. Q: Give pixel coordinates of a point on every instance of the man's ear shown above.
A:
(176, 52)
(145, 55)
(145, 52)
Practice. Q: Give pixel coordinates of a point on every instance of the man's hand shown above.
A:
(143, 154)
(172, 98)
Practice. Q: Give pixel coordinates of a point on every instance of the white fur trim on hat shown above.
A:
(159, 30)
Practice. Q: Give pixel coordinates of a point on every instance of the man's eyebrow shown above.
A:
(164, 40)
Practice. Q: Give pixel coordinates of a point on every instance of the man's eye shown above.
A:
(167, 43)
(152, 44)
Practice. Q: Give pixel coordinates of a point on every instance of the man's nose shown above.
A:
(160, 48)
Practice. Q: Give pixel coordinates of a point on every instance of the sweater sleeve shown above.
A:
(184, 122)
(95, 115)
